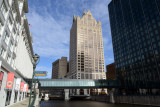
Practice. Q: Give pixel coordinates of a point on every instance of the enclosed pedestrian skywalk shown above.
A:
(76, 83)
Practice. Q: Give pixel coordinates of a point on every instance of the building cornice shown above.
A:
(28, 35)
(17, 10)
(25, 7)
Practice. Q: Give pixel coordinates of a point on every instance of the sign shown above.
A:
(40, 73)
(1, 75)
(1, 78)
(36, 85)
(22, 86)
(25, 86)
(10, 80)
(18, 82)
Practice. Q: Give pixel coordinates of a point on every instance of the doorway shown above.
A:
(8, 98)
(15, 96)
(20, 96)
(81, 92)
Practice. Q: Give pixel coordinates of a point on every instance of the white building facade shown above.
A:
(15, 51)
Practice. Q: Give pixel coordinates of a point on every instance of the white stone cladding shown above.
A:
(3, 91)
(15, 45)
(23, 62)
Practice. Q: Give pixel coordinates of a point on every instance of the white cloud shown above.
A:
(51, 23)
(50, 36)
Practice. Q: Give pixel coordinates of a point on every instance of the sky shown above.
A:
(51, 22)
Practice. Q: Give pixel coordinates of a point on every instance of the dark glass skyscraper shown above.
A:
(135, 29)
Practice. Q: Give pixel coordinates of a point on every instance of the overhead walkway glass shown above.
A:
(76, 83)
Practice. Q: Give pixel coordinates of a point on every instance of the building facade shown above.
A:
(15, 51)
(59, 68)
(86, 48)
(111, 71)
(135, 29)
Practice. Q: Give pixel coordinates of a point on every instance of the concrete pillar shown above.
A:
(21, 96)
(85, 92)
(24, 95)
(106, 91)
(66, 91)
(36, 104)
(18, 96)
(70, 91)
(99, 91)
(46, 97)
(3, 93)
(111, 93)
(77, 91)
(13, 92)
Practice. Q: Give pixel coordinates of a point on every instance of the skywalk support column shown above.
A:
(85, 92)
(36, 104)
(111, 93)
(18, 96)
(66, 97)
(77, 91)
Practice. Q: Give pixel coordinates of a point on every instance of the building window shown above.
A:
(8, 58)
(10, 20)
(9, 23)
(1, 26)
(6, 37)
(11, 46)
(14, 33)
(2, 51)
(3, 9)
(13, 62)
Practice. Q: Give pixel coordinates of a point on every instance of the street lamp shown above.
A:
(35, 61)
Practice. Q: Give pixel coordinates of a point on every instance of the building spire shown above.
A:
(89, 12)
(84, 12)
(74, 17)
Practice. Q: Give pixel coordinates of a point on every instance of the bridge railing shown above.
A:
(75, 83)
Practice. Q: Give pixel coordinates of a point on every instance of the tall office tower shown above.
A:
(59, 68)
(15, 51)
(135, 28)
(86, 48)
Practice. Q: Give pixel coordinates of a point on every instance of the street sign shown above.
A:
(40, 73)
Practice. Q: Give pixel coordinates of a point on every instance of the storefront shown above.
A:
(21, 90)
(15, 96)
(8, 90)
(17, 89)
(8, 98)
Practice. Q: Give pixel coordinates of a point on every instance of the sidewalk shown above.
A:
(23, 103)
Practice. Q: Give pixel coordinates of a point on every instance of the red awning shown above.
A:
(1, 76)
(22, 86)
(10, 80)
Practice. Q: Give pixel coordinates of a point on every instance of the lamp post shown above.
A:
(35, 61)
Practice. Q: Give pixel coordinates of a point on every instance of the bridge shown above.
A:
(66, 84)
(75, 83)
